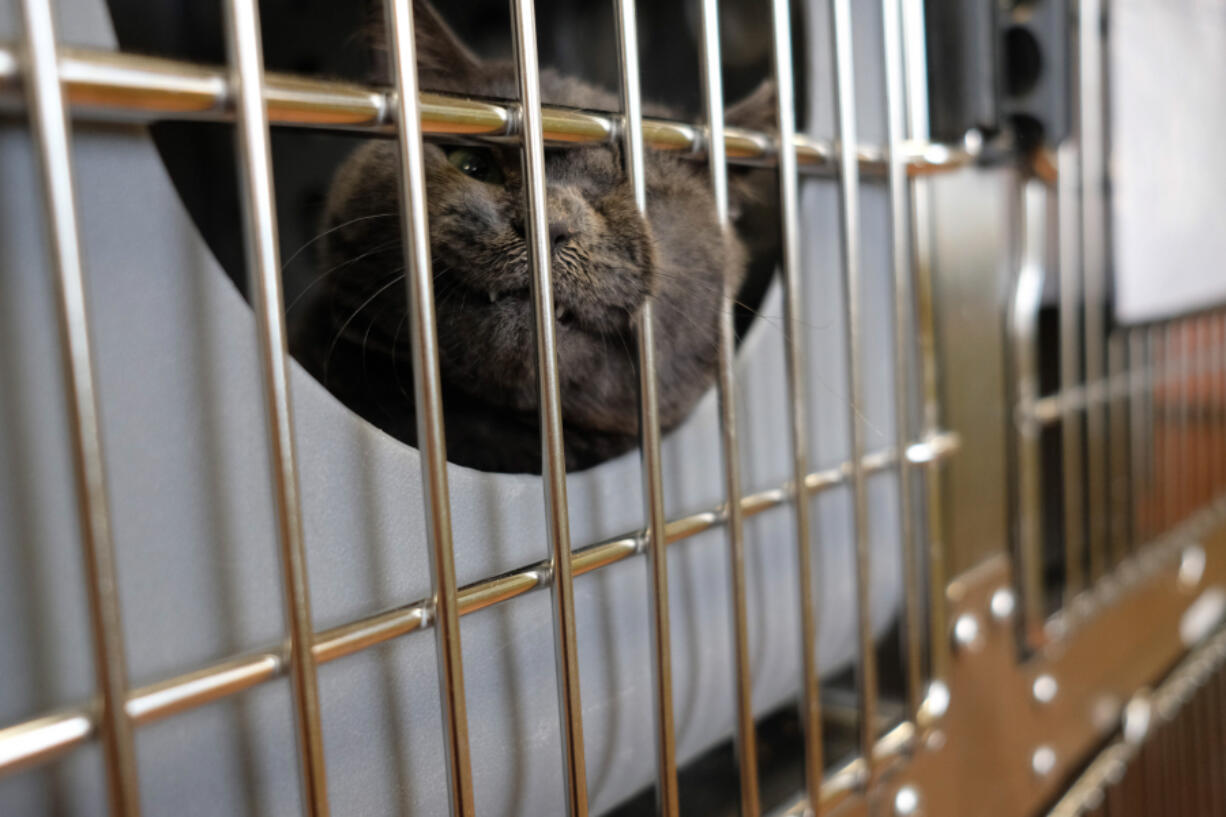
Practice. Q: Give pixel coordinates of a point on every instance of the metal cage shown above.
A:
(1017, 668)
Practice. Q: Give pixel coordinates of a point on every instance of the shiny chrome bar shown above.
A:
(242, 28)
(49, 736)
(745, 736)
(553, 452)
(427, 393)
(1051, 408)
(1069, 259)
(649, 430)
(49, 126)
(849, 222)
(900, 261)
(794, 306)
(916, 74)
(844, 782)
(1031, 218)
(1091, 141)
(113, 86)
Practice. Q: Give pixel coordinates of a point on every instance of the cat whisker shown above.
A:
(341, 332)
(323, 275)
(396, 363)
(329, 232)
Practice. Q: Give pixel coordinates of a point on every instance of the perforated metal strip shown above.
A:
(1170, 759)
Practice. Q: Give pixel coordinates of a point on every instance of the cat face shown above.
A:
(606, 260)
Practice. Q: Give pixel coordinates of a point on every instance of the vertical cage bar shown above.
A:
(789, 218)
(1214, 409)
(1031, 204)
(649, 428)
(1153, 429)
(900, 261)
(255, 178)
(1137, 437)
(744, 736)
(1219, 402)
(916, 75)
(1209, 408)
(1090, 140)
(1070, 368)
(1173, 359)
(264, 271)
(1184, 459)
(849, 219)
(49, 124)
(1219, 348)
(1213, 722)
(427, 393)
(1152, 473)
(1202, 440)
(1163, 443)
(553, 452)
(1117, 454)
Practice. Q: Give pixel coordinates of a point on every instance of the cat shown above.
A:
(606, 261)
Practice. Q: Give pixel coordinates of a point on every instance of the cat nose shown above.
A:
(559, 233)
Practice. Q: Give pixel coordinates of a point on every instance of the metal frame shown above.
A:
(50, 129)
(427, 389)
(264, 268)
(745, 737)
(98, 85)
(109, 86)
(785, 120)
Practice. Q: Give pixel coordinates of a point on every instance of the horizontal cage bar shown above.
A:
(45, 737)
(114, 86)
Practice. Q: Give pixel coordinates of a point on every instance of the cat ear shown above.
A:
(752, 189)
(439, 50)
(756, 111)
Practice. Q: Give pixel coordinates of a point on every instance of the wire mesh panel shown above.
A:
(815, 459)
(112, 84)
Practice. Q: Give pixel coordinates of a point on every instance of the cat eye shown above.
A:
(477, 163)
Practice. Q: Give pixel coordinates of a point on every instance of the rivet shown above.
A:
(907, 802)
(1043, 761)
(1191, 566)
(1003, 604)
(1045, 688)
(1105, 713)
(1056, 627)
(936, 701)
(968, 635)
(972, 140)
(1138, 714)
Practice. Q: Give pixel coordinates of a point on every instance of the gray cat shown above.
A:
(606, 262)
